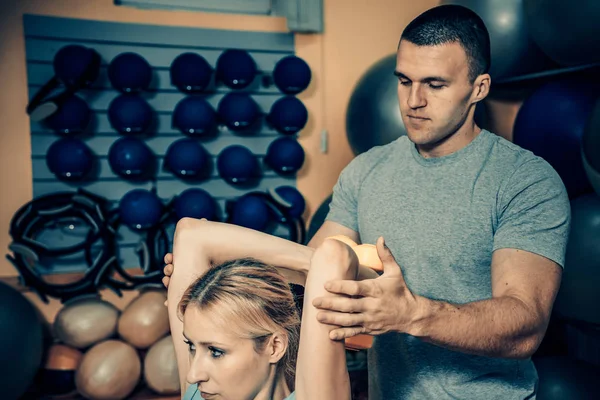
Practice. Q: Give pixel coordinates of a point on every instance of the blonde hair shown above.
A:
(252, 300)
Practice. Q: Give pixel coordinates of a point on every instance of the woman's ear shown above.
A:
(277, 347)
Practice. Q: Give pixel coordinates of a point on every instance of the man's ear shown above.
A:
(481, 87)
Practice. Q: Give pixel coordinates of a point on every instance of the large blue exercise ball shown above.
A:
(72, 117)
(579, 297)
(591, 148)
(130, 72)
(130, 114)
(140, 209)
(562, 378)
(196, 203)
(551, 123)
(131, 158)
(190, 72)
(567, 31)
(76, 66)
(21, 342)
(291, 75)
(288, 115)
(292, 199)
(285, 155)
(188, 159)
(193, 115)
(236, 68)
(239, 111)
(513, 51)
(238, 165)
(250, 211)
(70, 159)
(373, 117)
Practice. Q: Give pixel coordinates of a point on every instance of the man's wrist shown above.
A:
(424, 311)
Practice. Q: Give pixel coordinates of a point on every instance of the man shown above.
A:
(478, 228)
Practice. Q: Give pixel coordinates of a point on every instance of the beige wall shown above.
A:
(357, 33)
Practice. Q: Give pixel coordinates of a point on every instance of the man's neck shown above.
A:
(452, 143)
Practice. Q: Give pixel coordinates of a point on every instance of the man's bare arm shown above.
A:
(512, 323)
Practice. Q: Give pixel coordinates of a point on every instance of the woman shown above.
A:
(241, 344)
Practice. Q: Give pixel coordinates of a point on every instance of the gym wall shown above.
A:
(338, 57)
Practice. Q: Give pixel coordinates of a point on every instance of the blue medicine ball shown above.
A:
(285, 155)
(70, 159)
(76, 65)
(130, 114)
(291, 75)
(292, 196)
(190, 72)
(196, 203)
(130, 158)
(130, 72)
(140, 209)
(250, 211)
(236, 68)
(288, 115)
(238, 110)
(193, 115)
(236, 164)
(72, 117)
(187, 158)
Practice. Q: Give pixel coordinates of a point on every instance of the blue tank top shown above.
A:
(192, 393)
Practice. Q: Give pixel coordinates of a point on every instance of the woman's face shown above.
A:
(224, 365)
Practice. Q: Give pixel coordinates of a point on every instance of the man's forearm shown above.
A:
(225, 242)
(500, 327)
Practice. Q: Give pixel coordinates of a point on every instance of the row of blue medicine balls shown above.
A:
(190, 72)
(193, 115)
(131, 158)
(142, 209)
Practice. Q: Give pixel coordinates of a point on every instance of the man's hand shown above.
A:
(373, 306)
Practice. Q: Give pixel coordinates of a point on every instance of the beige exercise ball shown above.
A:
(108, 371)
(145, 320)
(86, 321)
(160, 367)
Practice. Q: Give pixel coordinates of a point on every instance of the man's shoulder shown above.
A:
(510, 158)
(378, 154)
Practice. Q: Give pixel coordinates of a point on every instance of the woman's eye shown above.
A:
(216, 353)
(191, 347)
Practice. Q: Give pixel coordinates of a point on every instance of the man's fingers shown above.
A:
(340, 304)
(345, 333)
(168, 258)
(349, 288)
(168, 270)
(390, 266)
(340, 319)
(165, 281)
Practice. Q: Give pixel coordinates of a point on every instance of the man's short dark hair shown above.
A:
(453, 23)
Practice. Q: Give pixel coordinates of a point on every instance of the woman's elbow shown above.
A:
(186, 225)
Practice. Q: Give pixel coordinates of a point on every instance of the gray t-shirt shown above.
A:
(442, 218)
(192, 393)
